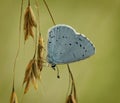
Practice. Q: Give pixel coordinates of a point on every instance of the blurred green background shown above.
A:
(97, 78)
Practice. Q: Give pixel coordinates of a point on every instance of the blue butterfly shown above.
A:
(65, 45)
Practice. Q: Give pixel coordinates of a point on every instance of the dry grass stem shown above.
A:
(32, 74)
(29, 23)
(13, 98)
(49, 12)
(40, 60)
(72, 96)
(71, 99)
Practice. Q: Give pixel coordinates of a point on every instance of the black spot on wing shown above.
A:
(85, 50)
(50, 32)
(70, 44)
(52, 36)
(64, 37)
(80, 45)
(76, 42)
(60, 52)
(57, 28)
(91, 44)
(83, 47)
(80, 39)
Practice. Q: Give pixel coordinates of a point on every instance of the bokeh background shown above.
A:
(97, 78)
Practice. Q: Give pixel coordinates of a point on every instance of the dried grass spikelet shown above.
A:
(40, 60)
(71, 99)
(13, 98)
(35, 70)
(28, 71)
(27, 86)
(32, 74)
(29, 23)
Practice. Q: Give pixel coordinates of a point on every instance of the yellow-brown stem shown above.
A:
(49, 12)
(73, 88)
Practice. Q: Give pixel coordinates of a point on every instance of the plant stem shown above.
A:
(73, 88)
(49, 11)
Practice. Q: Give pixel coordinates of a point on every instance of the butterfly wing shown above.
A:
(80, 48)
(57, 36)
(68, 46)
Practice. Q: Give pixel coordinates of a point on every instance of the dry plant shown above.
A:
(72, 96)
(71, 99)
(35, 65)
(32, 74)
(40, 60)
(29, 22)
(13, 98)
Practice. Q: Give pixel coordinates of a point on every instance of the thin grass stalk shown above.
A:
(49, 12)
(18, 43)
(13, 98)
(38, 13)
(40, 48)
(14, 67)
(73, 88)
(28, 2)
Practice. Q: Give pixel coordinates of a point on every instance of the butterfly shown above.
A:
(65, 45)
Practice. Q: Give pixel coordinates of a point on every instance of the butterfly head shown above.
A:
(53, 66)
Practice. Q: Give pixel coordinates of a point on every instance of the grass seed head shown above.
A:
(29, 23)
(32, 74)
(40, 60)
(28, 71)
